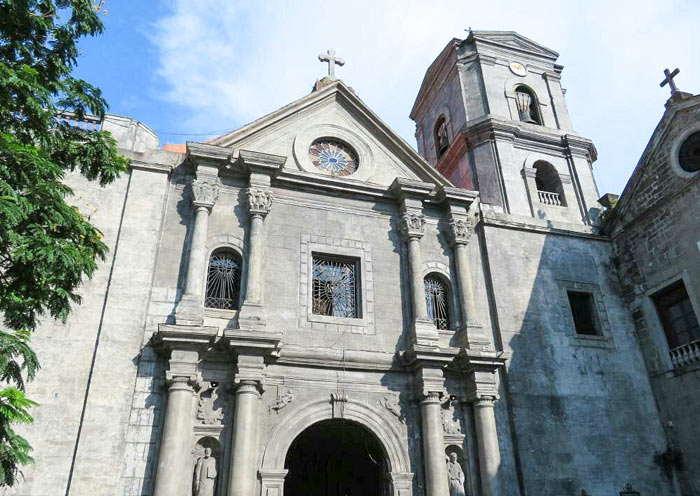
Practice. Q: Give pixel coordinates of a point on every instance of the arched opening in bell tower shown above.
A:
(336, 458)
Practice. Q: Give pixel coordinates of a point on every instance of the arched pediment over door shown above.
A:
(394, 444)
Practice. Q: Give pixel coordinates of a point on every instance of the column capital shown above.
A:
(481, 369)
(460, 230)
(177, 382)
(412, 225)
(259, 201)
(205, 191)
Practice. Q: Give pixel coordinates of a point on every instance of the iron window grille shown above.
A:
(223, 281)
(436, 296)
(335, 287)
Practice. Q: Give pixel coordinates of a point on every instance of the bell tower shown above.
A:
(491, 116)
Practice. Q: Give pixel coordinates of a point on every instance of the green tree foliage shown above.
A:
(46, 245)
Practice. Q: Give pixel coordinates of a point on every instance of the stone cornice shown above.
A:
(527, 136)
(207, 154)
(509, 221)
(402, 189)
(457, 196)
(183, 337)
(261, 163)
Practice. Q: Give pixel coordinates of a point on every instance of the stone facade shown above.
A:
(146, 381)
(655, 227)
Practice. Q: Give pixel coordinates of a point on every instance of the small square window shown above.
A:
(677, 316)
(583, 311)
(336, 286)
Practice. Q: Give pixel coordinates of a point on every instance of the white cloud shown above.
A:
(227, 63)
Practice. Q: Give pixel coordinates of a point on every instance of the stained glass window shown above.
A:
(436, 296)
(335, 287)
(333, 157)
(223, 280)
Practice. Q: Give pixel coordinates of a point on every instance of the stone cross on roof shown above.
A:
(332, 60)
(669, 79)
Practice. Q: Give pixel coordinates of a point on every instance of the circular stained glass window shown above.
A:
(333, 157)
(689, 153)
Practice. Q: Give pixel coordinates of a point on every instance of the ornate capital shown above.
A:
(411, 225)
(181, 382)
(205, 192)
(460, 231)
(430, 397)
(259, 201)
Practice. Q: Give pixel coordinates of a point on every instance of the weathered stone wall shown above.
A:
(573, 399)
(656, 243)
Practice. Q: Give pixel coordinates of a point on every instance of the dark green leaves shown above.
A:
(46, 246)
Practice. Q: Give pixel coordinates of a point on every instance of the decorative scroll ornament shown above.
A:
(210, 407)
(393, 404)
(259, 201)
(205, 192)
(281, 401)
(411, 225)
(460, 231)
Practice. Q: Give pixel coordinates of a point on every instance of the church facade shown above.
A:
(307, 305)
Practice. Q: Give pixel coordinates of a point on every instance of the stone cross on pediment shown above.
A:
(669, 80)
(332, 61)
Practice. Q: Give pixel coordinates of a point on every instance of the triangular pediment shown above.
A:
(513, 40)
(658, 164)
(333, 112)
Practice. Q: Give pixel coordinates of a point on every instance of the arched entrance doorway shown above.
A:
(335, 458)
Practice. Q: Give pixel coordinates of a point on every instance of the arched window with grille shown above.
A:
(223, 280)
(441, 138)
(437, 296)
(528, 108)
(549, 187)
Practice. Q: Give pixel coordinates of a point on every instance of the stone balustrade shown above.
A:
(685, 355)
(549, 198)
(87, 122)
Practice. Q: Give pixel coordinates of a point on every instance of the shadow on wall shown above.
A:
(583, 417)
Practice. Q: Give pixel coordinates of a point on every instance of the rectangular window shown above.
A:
(677, 316)
(583, 311)
(336, 286)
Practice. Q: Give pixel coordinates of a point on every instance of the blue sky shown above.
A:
(193, 69)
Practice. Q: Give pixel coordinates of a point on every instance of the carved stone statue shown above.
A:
(205, 474)
(455, 476)
(450, 424)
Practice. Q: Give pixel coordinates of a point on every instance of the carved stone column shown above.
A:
(262, 168)
(482, 392)
(487, 444)
(459, 232)
(410, 195)
(184, 346)
(205, 192)
(174, 461)
(436, 483)
(244, 432)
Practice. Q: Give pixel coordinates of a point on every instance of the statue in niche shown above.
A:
(205, 474)
(455, 476)
(210, 407)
